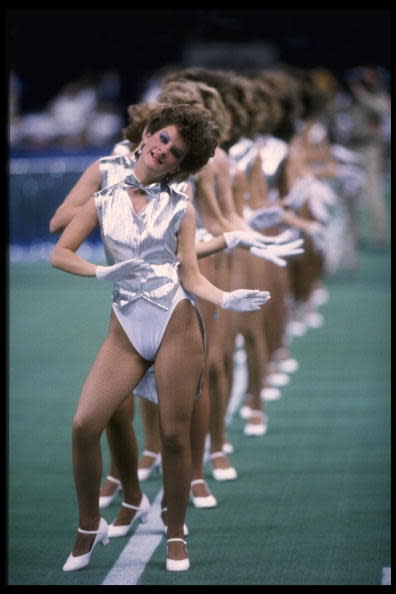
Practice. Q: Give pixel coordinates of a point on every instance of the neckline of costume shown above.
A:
(151, 190)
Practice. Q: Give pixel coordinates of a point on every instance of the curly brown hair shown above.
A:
(197, 93)
(228, 85)
(197, 129)
(139, 114)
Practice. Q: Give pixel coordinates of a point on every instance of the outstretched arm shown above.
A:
(194, 282)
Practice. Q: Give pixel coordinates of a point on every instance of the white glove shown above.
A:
(245, 239)
(252, 238)
(244, 299)
(285, 236)
(272, 253)
(262, 218)
(122, 270)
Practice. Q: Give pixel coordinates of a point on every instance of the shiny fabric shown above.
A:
(150, 235)
(115, 168)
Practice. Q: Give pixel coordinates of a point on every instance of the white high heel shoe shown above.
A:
(73, 563)
(185, 527)
(177, 564)
(223, 474)
(144, 473)
(141, 514)
(289, 365)
(202, 501)
(253, 429)
(269, 393)
(105, 500)
(277, 379)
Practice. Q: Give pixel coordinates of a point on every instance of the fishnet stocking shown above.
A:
(178, 368)
(115, 372)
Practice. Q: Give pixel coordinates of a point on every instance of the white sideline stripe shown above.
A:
(386, 576)
(131, 563)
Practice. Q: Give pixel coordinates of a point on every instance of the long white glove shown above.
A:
(262, 218)
(122, 270)
(244, 299)
(275, 253)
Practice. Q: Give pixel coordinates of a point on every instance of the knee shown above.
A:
(174, 442)
(83, 431)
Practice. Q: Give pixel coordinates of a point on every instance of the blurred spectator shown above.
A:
(84, 114)
(104, 125)
(365, 122)
(109, 88)
(70, 111)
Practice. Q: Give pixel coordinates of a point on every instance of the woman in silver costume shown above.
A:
(148, 229)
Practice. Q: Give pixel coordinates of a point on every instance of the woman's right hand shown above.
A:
(122, 270)
(244, 299)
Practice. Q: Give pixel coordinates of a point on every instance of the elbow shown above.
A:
(55, 224)
(54, 258)
(53, 227)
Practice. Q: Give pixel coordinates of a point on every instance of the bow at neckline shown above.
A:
(152, 190)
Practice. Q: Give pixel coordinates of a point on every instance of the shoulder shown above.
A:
(107, 194)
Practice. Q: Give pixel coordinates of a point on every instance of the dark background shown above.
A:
(48, 48)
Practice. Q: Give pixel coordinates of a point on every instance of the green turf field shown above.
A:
(311, 505)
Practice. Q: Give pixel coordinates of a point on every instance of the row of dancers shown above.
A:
(216, 212)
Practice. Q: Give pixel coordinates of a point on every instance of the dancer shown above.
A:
(144, 216)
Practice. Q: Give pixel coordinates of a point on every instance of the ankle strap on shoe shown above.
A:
(112, 479)
(217, 455)
(197, 482)
(150, 454)
(129, 506)
(176, 540)
(87, 531)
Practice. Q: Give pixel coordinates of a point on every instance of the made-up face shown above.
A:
(164, 150)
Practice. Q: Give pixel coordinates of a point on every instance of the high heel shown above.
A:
(141, 514)
(269, 394)
(277, 379)
(144, 473)
(289, 365)
(202, 501)
(185, 527)
(105, 500)
(223, 474)
(177, 564)
(253, 429)
(73, 563)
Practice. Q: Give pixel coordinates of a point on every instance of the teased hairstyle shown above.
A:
(285, 89)
(197, 93)
(231, 91)
(197, 129)
(139, 114)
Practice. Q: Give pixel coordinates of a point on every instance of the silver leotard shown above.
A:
(145, 304)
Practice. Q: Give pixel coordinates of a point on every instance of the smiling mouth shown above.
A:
(156, 157)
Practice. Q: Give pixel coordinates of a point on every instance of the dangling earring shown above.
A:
(138, 150)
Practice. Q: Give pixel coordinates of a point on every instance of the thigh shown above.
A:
(116, 371)
(179, 361)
